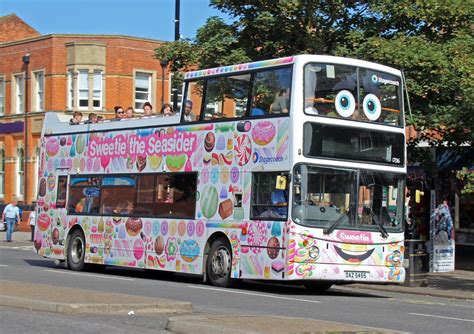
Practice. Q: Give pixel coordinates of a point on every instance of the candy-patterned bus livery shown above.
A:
(291, 169)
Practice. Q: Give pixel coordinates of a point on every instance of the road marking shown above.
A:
(88, 275)
(439, 316)
(420, 302)
(255, 294)
(3, 265)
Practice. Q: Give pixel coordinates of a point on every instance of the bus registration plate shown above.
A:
(357, 274)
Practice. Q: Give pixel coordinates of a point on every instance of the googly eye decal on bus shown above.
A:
(372, 107)
(345, 103)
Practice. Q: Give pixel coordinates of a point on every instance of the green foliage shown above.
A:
(432, 41)
(467, 177)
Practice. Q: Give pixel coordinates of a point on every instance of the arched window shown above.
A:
(20, 184)
(2, 172)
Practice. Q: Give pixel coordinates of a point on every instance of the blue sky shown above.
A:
(140, 18)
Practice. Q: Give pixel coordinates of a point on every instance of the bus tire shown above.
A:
(76, 250)
(219, 264)
(317, 286)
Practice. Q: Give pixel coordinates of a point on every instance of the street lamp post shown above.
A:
(26, 62)
(164, 64)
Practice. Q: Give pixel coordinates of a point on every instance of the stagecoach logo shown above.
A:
(265, 159)
(377, 79)
(354, 237)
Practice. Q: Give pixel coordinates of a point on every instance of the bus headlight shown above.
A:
(314, 253)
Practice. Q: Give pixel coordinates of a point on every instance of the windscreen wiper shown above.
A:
(379, 225)
(338, 220)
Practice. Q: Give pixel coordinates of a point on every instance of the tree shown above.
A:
(432, 41)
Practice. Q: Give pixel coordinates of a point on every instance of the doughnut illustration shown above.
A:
(263, 133)
(133, 226)
(52, 147)
(189, 250)
(257, 236)
(242, 149)
(209, 142)
(209, 201)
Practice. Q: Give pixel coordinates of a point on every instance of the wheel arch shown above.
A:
(210, 240)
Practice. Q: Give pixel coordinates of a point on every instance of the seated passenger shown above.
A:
(76, 118)
(188, 113)
(166, 110)
(279, 199)
(280, 104)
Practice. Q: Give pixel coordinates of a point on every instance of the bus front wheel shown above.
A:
(76, 251)
(219, 264)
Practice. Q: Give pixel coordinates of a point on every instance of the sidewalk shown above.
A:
(458, 284)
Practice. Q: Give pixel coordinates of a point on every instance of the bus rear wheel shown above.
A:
(219, 264)
(76, 251)
(317, 286)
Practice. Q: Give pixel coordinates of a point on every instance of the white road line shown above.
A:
(3, 265)
(439, 316)
(255, 294)
(88, 275)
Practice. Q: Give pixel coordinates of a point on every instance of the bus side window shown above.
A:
(268, 201)
(266, 86)
(61, 192)
(175, 195)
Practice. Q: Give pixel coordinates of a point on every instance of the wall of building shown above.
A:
(121, 57)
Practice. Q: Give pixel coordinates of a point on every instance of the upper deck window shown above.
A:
(254, 94)
(348, 92)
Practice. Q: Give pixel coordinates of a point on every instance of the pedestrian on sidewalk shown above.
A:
(11, 214)
(32, 220)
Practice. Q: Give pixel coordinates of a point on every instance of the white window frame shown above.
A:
(140, 101)
(20, 173)
(83, 89)
(70, 89)
(19, 93)
(2, 95)
(39, 90)
(97, 88)
(170, 93)
(2, 172)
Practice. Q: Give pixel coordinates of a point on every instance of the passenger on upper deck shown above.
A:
(76, 118)
(129, 112)
(92, 118)
(147, 109)
(118, 113)
(188, 114)
(166, 110)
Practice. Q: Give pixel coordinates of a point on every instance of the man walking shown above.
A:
(11, 214)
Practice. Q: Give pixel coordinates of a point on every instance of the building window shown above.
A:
(2, 172)
(20, 172)
(2, 96)
(39, 93)
(83, 85)
(19, 95)
(70, 90)
(97, 94)
(142, 90)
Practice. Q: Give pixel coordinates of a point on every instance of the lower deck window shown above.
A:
(269, 198)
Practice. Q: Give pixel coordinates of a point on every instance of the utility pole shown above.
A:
(26, 62)
(176, 38)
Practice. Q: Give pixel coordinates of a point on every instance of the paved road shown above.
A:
(394, 311)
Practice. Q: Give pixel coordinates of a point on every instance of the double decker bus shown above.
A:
(289, 169)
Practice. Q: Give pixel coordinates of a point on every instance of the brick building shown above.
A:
(64, 73)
